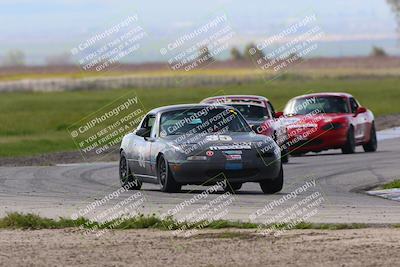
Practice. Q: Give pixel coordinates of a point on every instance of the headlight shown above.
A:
(332, 126)
(197, 158)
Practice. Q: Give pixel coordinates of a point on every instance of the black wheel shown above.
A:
(285, 156)
(125, 175)
(273, 186)
(372, 144)
(165, 177)
(350, 146)
(232, 187)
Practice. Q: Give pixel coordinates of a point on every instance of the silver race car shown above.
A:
(201, 144)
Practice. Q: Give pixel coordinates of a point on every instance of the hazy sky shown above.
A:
(41, 28)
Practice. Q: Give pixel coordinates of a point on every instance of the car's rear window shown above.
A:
(251, 112)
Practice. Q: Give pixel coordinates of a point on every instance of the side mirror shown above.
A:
(361, 110)
(143, 132)
(278, 114)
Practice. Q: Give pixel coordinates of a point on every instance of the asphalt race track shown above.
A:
(63, 190)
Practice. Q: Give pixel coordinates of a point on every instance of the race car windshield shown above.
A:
(252, 112)
(328, 104)
(201, 120)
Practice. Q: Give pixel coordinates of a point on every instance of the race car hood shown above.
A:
(255, 122)
(231, 141)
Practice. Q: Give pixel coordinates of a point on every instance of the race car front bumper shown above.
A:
(318, 141)
(236, 171)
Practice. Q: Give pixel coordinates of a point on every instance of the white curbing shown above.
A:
(388, 134)
(392, 194)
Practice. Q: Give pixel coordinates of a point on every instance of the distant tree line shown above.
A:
(378, 52)
(15, 58)
(250, 52)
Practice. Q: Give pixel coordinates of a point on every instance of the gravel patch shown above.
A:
(69, 247)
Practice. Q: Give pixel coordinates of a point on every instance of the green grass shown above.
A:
(331, 226)
(394, 184)
(310, 72)
(35, 123)
(34, 222)
(226, 235)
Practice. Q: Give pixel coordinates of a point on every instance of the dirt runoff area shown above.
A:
(361, 247)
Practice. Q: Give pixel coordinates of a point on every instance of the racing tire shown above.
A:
(273, 186)
(126, 178)
(232, 187)
(372, 144)
(350, 146)
(165, 178)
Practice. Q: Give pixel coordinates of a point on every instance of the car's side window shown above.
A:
(271, 109)
(353, 105)
(151, 122)
(288, 107)
(144, 123)
(148, 124)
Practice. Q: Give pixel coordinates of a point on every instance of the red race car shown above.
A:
(323, 121)
(260, 114)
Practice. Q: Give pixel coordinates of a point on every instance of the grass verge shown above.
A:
(391, 185)
(34, 222)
